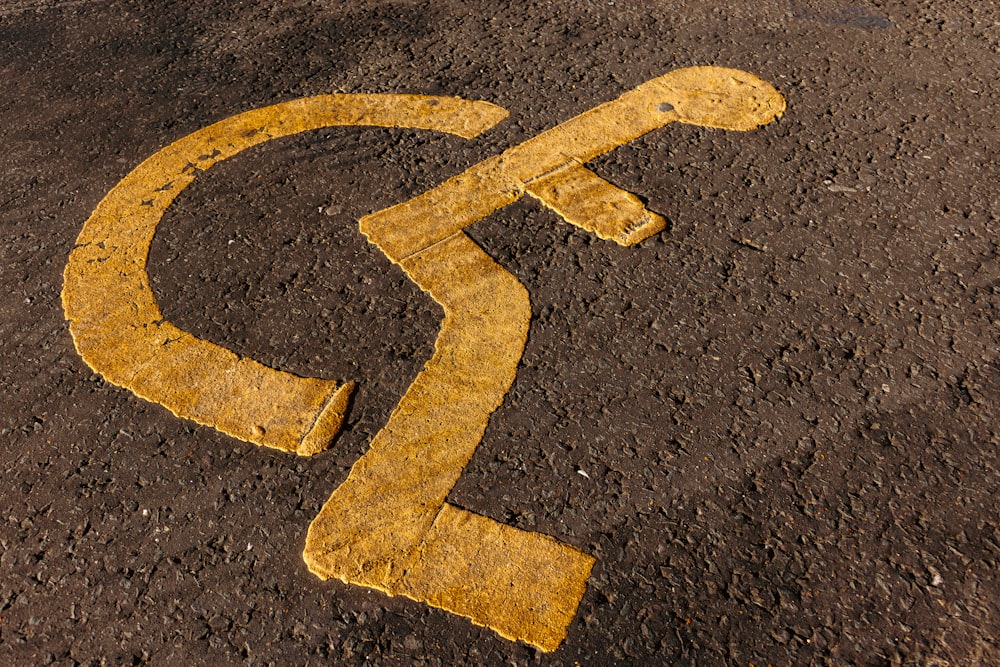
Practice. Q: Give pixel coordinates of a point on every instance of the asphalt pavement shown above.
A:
(320, 345)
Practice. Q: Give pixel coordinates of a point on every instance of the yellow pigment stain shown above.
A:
(388, 526)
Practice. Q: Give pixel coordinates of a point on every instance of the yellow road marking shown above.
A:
(388, 526)
(117, 327)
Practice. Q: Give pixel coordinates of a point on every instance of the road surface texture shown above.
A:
(773, 425)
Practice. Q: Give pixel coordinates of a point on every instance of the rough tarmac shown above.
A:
(774, 424)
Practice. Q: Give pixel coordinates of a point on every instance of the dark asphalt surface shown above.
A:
(775, 425)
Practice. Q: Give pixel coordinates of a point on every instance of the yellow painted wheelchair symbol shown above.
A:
(388, 526)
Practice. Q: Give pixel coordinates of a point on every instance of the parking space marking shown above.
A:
(388, 526)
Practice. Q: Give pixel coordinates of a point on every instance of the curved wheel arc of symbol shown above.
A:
(117, 326)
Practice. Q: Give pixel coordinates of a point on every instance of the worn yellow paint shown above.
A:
(118, 328)
(590, 202)
(706, 96)
(388, 526)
